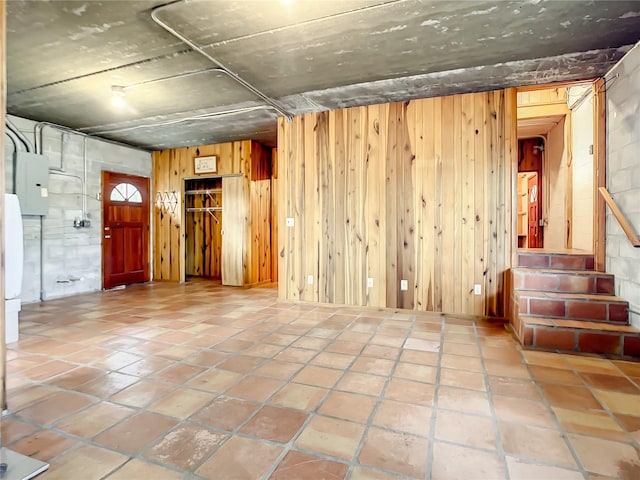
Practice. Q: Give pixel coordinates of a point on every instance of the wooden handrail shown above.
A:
(624, 223)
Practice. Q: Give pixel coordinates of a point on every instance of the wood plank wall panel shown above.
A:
(274, 215)
(260, 210)
(544, 96)
(233, 232)
(170, 168)
(418, 191)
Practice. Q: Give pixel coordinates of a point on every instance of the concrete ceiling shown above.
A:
(63, 57)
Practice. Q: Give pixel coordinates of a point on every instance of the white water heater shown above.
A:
(13, 257)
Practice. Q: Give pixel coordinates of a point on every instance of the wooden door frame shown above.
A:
(599, 173)
(149, 223)
(599, 162)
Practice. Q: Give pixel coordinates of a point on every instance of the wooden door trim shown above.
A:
(104, 193)
(599, 174)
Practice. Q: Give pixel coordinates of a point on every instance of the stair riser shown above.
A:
(557, 261)
(564, 282)
(594, 311)
(569, 340)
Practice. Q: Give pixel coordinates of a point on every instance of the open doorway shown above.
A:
(530, 220)
(555, 168)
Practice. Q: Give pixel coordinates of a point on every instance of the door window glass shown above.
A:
(125, 192)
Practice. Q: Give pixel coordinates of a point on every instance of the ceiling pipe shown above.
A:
(16, 148)
(173, 77)
(274, 104)
(221, 113)
(38, 132)
(11, 127)
(14, 139)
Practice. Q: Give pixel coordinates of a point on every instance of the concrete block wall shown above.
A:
(72, 261)
(623, 176)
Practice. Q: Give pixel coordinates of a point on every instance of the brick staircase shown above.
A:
(558, 302)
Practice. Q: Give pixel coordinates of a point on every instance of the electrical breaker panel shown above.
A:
(32, 183)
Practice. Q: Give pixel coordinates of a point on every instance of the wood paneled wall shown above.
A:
(421, 191)
(246, 159)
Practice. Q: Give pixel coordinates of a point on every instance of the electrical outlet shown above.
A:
(369, 282)
(289, 222)
(404, 285)
(310, 279)
(477, 289)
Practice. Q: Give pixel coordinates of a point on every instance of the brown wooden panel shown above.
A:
(233, 231)
(542, 96)
(599, 173)
(418, 191)
(117, 251)
(274, 215)
(260, 211)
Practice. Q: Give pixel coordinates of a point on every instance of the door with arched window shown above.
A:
(125, 224)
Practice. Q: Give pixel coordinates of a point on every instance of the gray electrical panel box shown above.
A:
(32, 183)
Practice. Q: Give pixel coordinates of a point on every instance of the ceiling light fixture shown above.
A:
(117, 96)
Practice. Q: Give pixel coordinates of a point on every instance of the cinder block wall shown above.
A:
(72, 257)
(623, 175)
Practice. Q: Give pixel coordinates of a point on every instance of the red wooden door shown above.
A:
(125, 223)
(535, 232)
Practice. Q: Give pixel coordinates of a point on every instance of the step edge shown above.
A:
(560, 271)
(624, 328)
(575, 296)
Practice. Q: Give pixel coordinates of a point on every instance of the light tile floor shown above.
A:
(196, 381)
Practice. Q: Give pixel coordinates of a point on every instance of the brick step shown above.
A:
(576, 306)
(557, 260)
(571, 281)
(578, 336)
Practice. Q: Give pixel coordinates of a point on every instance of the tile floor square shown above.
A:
(403, 417)
(95, 419)
(230, 461)
(349, 406)
(471, 430)
(447, 464)
(225, 413)
(395, 452)
(274, 424)
(181, 403)
(140, 469)
(185, 447)
(134, 433)
(297, 465)
(537, 443)
(329, 436)
(255, 388)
